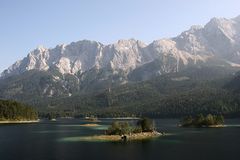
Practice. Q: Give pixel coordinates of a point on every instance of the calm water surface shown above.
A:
(61, 140)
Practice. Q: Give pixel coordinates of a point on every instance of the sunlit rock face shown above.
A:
(220, 38)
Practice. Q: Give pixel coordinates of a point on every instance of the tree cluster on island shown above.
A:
(15, 111)
(123, 127)
(202, 121)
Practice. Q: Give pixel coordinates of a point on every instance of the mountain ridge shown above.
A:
(219, 37)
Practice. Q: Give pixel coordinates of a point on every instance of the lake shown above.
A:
(62, 140)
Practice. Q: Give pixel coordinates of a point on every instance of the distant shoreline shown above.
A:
(19, 122)
(122, 118)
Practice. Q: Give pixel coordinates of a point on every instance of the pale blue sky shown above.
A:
(25, 24)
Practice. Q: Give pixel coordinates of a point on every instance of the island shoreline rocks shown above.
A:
(128, 137)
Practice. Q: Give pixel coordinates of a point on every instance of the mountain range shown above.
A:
(89, 69)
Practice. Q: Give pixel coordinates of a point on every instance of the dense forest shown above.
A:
(172, 95)
(12, 110)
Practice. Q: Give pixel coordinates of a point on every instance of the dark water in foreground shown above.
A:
(61, 140)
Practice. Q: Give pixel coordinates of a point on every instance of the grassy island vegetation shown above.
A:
(122, 130)
(203, 121)
(15, 111)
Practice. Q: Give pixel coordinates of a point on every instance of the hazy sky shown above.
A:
(25, 24)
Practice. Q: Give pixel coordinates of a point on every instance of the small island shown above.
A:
(15, 112)
(208, 121)
(92, 119)
(123, 131)
(90, 125)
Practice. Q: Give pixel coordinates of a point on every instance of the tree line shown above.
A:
(200, 120)
(12, 110)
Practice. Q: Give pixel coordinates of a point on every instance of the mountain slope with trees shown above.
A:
(192, 91)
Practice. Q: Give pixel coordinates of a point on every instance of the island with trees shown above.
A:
(124, 131)
(15, 112)
(203, 121)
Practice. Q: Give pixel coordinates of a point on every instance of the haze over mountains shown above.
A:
(90, 66)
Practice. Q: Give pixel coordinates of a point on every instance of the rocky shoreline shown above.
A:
(127, 137)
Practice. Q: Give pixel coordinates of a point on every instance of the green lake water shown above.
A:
(65, 139)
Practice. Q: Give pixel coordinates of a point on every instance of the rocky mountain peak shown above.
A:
(237, 18)
(218, 38)
(124, 44)
(224, 25)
